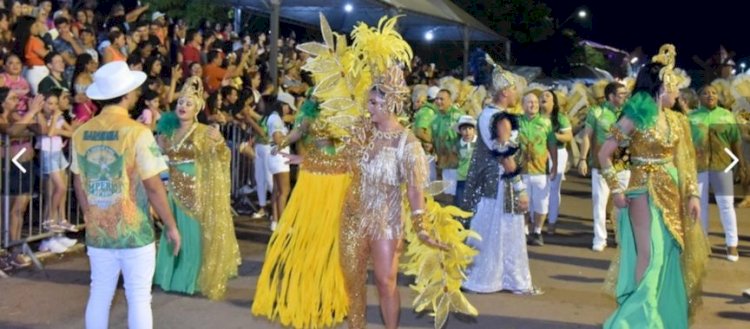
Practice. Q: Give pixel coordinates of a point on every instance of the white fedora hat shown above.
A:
(113, 80)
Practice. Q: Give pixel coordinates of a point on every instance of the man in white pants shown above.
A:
(715, 130)
(116, 165)
(598, 122)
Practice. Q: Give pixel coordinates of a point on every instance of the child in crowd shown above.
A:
(466, 127)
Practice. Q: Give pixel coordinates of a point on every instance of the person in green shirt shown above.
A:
(539, 146)
(715, 130)
(598, 122)
(466, 127)
(426, 109)
(563, 132)
(444, 139)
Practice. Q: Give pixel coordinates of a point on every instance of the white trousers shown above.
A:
(35, 75)
(137, 267)
(599, 196)
(450, 176)
(537, 188)
(556, 185)
(263, 176)
(722, 184)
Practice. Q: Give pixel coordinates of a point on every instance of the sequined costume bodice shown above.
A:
(388, 161)
(655, 152)
(182, 180)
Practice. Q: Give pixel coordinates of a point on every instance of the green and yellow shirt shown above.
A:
(564, 125)
(113, 154)
(600, 119)
(535, 135)
(712, 132)
(445, 137)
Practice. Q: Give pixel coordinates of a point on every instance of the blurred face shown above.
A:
(81, 16)
(709, 97)
(376, 107)
(51, 104)
(4, 23)
(255, 82)
(285, 109)
(65, 27)
(120, 41)
(92, 66)
(669, 98)
(156, 68)
(443, 101)
(153, 104)
(16, 9)
(64, 101)
(26, 9)
(37, 28)
(619, 97)
(467, 132)
(683, 103)
(187, 109)
(13, 65)
(90, 15)
(46, 6)
(511, 94)
(87, 38)
(504, 130)
(530, 105)
(196, 70)
(418, 103)
(548, 102)
(136, 67)
(232, 97)
(57, 65)
(11, 102)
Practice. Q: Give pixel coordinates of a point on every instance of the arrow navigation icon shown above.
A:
(15, 160)
(734, 160)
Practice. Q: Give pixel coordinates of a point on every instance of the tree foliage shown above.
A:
(523, 21)
(194, 11)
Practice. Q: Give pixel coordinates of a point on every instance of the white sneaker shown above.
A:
(273, 226)
(57, 247)
(52, 245)
(599, 247)
(258, 215)
(746, 293)
(66, 241)
(247, 189)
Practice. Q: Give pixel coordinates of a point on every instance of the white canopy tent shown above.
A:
(436, 20)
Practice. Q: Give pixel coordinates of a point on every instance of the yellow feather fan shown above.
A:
(724, 89)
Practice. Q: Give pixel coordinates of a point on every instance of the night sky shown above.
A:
(650, 23)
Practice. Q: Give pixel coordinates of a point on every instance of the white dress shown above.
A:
(502, 262)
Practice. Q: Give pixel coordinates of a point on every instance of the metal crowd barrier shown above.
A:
(242, 178)
(241, 167)
(38, 198)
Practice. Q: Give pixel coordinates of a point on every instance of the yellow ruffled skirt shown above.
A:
(301, 284)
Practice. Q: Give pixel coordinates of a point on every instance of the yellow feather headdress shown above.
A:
(193, 88)
(673, 78)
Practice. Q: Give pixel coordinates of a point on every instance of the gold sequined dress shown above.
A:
(662, 169)
(301, 284)
(199, 197)
(373, 209)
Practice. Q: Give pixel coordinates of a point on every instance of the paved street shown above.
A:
(570, 274)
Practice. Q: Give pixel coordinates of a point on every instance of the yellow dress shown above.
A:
(199, 197)
(301, 284)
